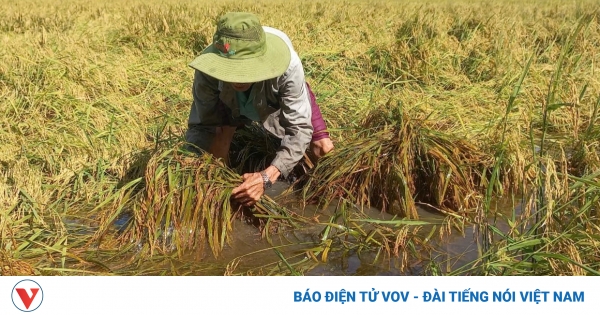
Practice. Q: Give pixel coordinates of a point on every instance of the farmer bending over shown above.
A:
(252, 73)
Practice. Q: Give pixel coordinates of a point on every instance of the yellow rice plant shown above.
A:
(399, 160)
(183, 203)
(586, 152)
(13, 267)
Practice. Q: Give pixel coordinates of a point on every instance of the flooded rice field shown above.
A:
(291, 251)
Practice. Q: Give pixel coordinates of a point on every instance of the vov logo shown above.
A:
(27, 295)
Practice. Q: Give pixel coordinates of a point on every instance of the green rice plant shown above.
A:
(555, 226)
(500, 163)
(569, 245)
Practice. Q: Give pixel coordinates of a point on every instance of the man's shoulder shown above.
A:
(295, 62)
(280, 34)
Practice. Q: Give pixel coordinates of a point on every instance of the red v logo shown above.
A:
(25, 297)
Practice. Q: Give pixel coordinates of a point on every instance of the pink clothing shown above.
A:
(318, 124)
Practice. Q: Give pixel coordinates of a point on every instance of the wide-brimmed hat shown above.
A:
(242, 52)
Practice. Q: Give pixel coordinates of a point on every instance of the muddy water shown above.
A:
(249, 253)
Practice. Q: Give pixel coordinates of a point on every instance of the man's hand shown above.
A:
(319, 148)
(250, 191)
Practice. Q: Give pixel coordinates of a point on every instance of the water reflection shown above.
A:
(250, 253)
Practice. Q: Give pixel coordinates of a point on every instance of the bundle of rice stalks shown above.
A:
(14, 267)
(396, 161)
(184, 202)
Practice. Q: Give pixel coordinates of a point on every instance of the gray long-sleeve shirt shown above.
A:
(282, 103)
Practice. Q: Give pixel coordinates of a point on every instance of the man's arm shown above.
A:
(295, 118)
(204, 116)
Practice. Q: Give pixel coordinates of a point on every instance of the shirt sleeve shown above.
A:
(295, 118)
(204, 116)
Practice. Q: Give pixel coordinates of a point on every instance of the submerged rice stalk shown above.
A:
(184, 204)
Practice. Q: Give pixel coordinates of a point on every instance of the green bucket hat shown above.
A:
(242, 52)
